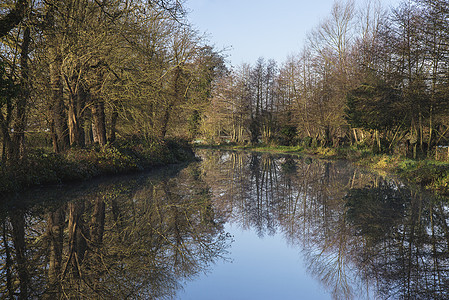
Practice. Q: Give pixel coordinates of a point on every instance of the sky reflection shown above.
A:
(262, 268)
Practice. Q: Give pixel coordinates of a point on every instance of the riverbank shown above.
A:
(41, 167)
(430, 174)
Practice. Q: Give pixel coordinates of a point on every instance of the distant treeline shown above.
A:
(366, 76)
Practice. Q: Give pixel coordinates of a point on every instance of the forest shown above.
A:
(87, 74)
(76, 73)
(367, 76)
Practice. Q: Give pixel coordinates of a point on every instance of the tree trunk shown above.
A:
(56, 102)
(175, 98)
(165, 120)
(113, 131)
(57, 108)
(98, 122)
(73, 123)
(430, 139)
(355, 135)
(379, 147)
(77, 102)
(20, 125)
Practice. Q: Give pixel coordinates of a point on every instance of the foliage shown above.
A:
(379, 82)
(287, 135)
(374, 106)
(93, 73)
(44, 167)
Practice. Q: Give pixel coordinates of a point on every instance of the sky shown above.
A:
(249, 29)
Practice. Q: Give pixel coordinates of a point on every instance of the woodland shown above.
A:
(76, 73)
(97, 76)
(89, 87)
(367, 76)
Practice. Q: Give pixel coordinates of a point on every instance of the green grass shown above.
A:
(433, 175)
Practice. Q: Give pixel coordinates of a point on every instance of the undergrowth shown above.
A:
(41, 167)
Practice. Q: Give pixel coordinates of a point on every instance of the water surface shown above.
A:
(234, 226)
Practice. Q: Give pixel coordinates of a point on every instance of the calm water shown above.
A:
(234, 226)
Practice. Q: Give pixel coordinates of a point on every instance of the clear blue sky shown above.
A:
(260, 28)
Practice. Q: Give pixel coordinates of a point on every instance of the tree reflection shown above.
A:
(361, 235)
(408, 246)
(136, 239)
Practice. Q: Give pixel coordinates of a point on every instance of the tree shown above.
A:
(331, 44)
(376, 106)
(15, 15)
(14, 59)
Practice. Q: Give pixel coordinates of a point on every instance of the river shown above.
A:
(235, 225)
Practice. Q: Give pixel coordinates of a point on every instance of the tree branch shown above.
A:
(13, 18)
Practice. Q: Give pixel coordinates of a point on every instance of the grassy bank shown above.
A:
(42, 167)
(430, 174)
